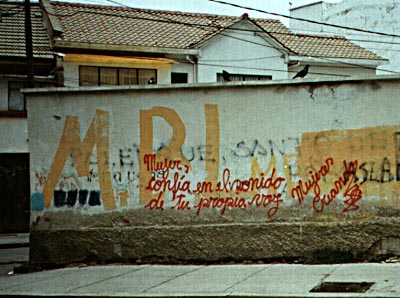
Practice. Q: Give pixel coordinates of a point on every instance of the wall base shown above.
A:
(309, 242)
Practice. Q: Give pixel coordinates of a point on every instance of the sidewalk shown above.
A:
(14, 251)
(272, 280)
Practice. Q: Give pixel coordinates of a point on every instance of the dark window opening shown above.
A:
(179, 77)
(243, 77)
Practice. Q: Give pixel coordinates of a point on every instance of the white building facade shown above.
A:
(375, 16)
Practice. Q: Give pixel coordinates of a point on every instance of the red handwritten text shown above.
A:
(221, 203)
(302, 190)
(352, 191)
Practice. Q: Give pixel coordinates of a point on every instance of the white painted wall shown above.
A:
(289, 127)
(380, 16)
(14, 135)
(314, 11)
(229, 52)
(185, 66)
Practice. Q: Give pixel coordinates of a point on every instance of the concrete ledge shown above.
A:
(355, 79)
(310, 242)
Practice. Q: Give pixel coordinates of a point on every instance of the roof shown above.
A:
(141, 27)
(113, 25)
(326, 47)
(12, 31)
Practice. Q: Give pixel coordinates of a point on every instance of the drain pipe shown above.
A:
(195, 68)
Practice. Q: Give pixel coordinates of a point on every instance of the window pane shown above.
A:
(15, 98)
(88, 76)
(145, 75)
(108, 76)
(237, 78)
(128, 76)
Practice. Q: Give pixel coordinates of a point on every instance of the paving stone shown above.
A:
(137, 281)
(278, 280)
(14, 255)
(208, 280)
(284, 279)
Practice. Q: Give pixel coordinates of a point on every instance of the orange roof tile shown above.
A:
(12, 31)
(326, 47)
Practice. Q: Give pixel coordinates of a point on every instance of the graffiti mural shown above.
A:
(314, 169)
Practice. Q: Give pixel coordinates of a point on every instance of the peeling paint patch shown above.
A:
(375, 148)
(37, 202)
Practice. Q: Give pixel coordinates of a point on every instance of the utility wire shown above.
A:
(240, 60)
(350, 65)
(218, 27)
(305, 20)
(74, 80)
(332, 33)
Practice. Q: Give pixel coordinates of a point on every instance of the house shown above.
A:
(14, 152)
(364, 16)
(118, 45)
(13, 67)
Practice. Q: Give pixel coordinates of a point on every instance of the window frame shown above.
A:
(13, 113)
(11, 90)
(118, 78)
(244, 76)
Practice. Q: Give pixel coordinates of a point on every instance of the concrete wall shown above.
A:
(214, 172)
(14, 135)
(378, 16)
(314, 11)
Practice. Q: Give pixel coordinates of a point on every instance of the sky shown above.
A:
(207, 6)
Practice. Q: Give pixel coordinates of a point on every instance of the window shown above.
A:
(244, 77)
(179, 77)
(101, 76)
(16, 100)
(128, 76)
(147, 76)
(108, 76)
(88, 76)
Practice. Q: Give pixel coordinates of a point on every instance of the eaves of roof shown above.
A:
(337, 61)
(101, 47)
